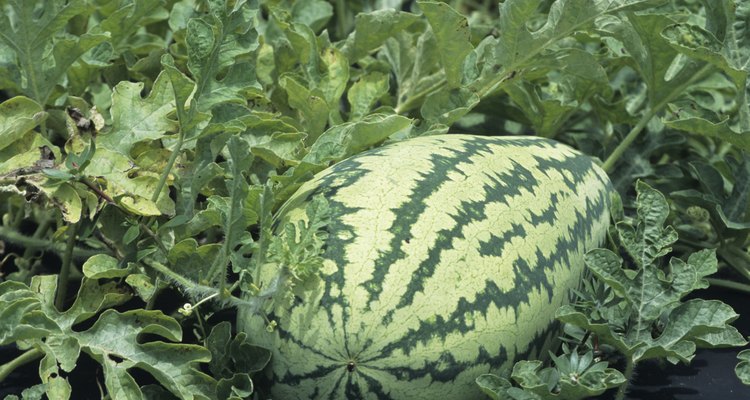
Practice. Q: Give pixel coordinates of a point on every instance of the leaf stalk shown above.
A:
(25, 358)
(170, 163)
(12, 236)
(629, 369)
(633, 134)
(67, 261)
(742, 287)
(413, 101)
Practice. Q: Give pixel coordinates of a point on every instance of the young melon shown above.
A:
(447, 257)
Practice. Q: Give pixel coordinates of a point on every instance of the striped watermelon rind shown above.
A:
(447, 257)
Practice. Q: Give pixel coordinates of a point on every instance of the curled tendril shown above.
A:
(186, 309)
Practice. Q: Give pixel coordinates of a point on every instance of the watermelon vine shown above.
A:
(389, 198)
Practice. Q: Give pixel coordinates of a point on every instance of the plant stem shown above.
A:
(170, 164)
(151, 303)
(13, 236)
(17, 218)
(62, 279)
(188, 285)
(341, 19)
(629, 368)
(742, 287)
(42, 228)
(97, 190)
(164, 270)
(736, 259)
(28, 63)
(633, 134)
(40, 231)
(199, 317)
(629, 139)
(25, 358)
(412, 102)
(155, 238)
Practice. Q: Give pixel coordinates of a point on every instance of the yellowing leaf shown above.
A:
(18, 116)
(135, 119)
(139, 206)
(129, 186)
(103, 266)
(70, 202)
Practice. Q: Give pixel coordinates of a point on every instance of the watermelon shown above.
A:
(446, 258)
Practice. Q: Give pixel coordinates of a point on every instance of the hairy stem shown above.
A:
(194, 288)
(25, 358)
(341, 18)
(67, 261)
(177, 278)
(199, 317)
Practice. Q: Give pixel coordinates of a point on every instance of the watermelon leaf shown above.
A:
(233, 355)
(365, 92)
(136, 119)
(233, 360)
(18, 116)
(31, 30)
(372, 29)
(573, 376)
(351, 138)
(498, 388)
(647, 318)
(743, 368)
(299, 248)
(30, 316)
(730, 210)
(723, 43)
(173, 134)
(452, 34)
(234, 219)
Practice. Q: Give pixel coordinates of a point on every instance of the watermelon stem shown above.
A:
(742, 287)
(677, 91)
(629, 139)
(67, 265)
(25, 358)
(629, 369)
(9, 235)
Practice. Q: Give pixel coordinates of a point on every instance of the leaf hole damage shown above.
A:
(115, 358)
